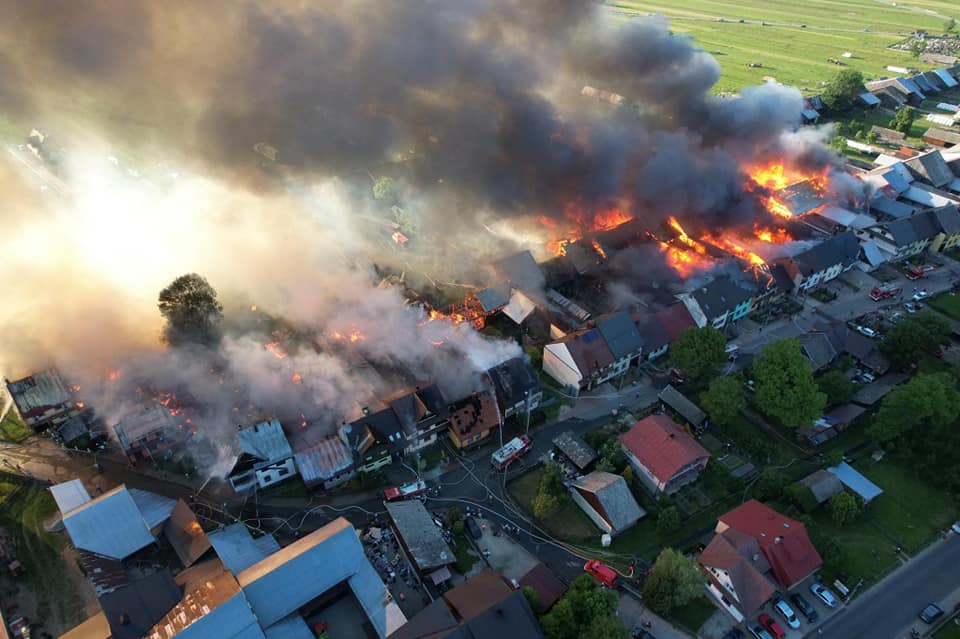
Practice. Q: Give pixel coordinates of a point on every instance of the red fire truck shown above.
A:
(884, 292)
(511, 452)
(916, 272)
(406, 491)
(601, 572)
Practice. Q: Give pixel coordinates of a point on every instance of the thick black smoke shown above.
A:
(481, 98)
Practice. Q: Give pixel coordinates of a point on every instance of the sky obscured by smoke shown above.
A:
(474, 107)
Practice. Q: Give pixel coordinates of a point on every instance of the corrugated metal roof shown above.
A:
(869, 99)
(237, 548)
(45, 388)
(872, 253)
(111, 525)
(265, 441)
(519, 307)
(619, 508)
(856, 482)
(69, 495)
(494, 297)
(155, 509)
(420, 535)
(185, 534)
(945, 77)
(324, 460)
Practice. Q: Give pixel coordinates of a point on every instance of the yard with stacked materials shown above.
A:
(793, 39)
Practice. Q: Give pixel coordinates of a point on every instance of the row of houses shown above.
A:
(894, 93)
(406, 423)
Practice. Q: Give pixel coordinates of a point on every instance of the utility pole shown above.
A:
(526, 395)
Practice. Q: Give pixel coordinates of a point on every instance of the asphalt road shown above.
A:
(889, 609)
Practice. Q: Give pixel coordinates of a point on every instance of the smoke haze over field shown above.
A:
(474, 107)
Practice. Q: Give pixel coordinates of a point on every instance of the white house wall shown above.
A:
(558, 364)
(594, 516)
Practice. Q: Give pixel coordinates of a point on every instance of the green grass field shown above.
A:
(910, 509)
(949, 631)
(568, 523)
(947, 304)
(790, 53)
(13, 429)
(694, 614)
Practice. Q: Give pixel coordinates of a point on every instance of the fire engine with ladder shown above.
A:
(406, 491)
(884, 292)
(512, 451)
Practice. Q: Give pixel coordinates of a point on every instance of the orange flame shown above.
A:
(79, 405)
(274, 347)
(113, 376)
(296, 378)
(580, 225)
(772, 236)
(775, 177)
(353, 336)
(75, 388)
(599, 249)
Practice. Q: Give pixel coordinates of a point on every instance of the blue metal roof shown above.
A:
(237, 548)
(154, 508)
(111, 525)
(852, 479)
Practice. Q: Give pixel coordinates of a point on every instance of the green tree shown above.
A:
(581, 611)
(903, 120)
(550, 492)
(612, 457)
(836, 386)
(838, 143)
(724, 399)
(949, 25)
(925, 402)
(673, 581)
(914, 335)
(384, 190)
(844, 508)
(532, 598)
(699, 352)
(840, 91)
(769, 484)
(872, 137)
(803, 496)
(668, 521)
(917, 47)
(785, 387)
(627, 475)
(191, 310)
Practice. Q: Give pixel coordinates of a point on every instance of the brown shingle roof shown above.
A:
(740, 556)
(662, 446)
(545, 583)
(477, 594)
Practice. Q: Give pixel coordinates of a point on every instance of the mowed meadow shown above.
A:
(793, 39)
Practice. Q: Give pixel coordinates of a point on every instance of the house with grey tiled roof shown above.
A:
(607, 501)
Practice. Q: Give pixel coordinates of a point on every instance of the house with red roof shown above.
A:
(756, 553)
(663, 455)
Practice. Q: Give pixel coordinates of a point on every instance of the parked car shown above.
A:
(785, 611)
(822, 593)
(473, 528)
(911, 308)
(735, 633)
(919, 295)
(758, 631)
(771, 626)
(931, 613)
(866, 330)
(804, 607)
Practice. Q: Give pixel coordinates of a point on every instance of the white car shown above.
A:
(956, 527)
(911, 309)
(823, 594)
(785, 611)
(866, 330)
(919, 295)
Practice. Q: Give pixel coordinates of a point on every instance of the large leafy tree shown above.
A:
(785, 387)
(724, 399)
(844, 508)
(586, 610)
(699, 352)
(909, 338)
(836, 386)
(840, 91)
(903, 120)
(550, 492)
(924, 403)
(673, 581)
(193, 313)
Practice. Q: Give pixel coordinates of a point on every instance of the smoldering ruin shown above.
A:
(243, 143)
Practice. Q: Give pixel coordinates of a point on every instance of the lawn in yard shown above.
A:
(910, 510)
(948, 304)
(466, 555)
(568, 522)
(13, 429)
(693, 615)
(798, 37)
(867, 552)
(292, 488)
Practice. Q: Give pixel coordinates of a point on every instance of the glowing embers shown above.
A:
(576, 223)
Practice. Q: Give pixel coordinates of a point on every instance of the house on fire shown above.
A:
(663, 455)
(588, 358)
(755, 553)
(517, 387)
(719, 302)
(473, 418)
(326, 463)
(148, 432)
(42, 399)
(265, 458)
(820, 264)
